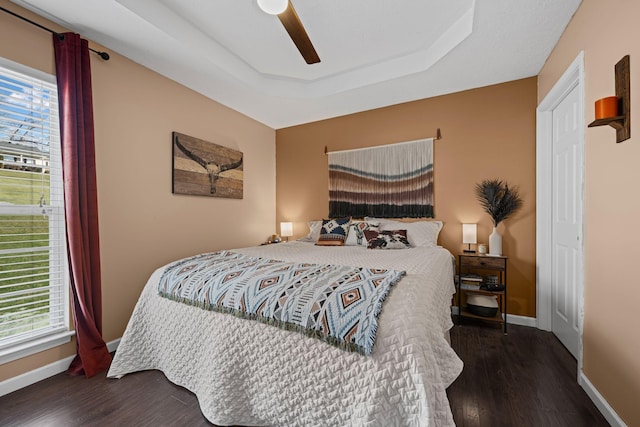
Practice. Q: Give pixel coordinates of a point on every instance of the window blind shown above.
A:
(33, 265)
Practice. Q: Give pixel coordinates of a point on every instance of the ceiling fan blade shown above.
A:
(298, 34)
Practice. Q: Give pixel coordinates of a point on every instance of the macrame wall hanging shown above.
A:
(389, 181)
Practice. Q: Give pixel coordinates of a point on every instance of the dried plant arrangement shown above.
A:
(498, 199)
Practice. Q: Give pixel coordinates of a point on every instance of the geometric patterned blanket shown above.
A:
(334, 303)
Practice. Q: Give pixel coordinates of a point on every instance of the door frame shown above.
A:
(573, 77)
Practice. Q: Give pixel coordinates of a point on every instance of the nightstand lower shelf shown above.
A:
(466, 313)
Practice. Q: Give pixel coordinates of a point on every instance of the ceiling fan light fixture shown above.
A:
(273, 7)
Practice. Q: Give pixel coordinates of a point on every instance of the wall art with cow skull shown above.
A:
(203, 168)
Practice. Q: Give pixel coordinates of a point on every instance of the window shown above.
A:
(34, 298)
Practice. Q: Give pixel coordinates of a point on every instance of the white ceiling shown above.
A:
(374, 53)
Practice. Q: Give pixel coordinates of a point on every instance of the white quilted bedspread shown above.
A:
(248, 373)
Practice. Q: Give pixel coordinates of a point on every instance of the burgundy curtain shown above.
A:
(73, 72)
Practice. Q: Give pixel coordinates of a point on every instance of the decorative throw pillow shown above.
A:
(314, 232)
(387, 239)
(419, 233)
(355, 236)
(334, 232)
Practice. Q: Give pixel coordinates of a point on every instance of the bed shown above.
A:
(248, 373)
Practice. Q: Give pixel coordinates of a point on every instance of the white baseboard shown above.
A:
(603, 406)
(512, 319)
(16, 383)
(113, 345)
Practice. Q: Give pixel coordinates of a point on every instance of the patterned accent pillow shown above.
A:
(419, 233)
(387, 239)
(355, 236)
(334, 232)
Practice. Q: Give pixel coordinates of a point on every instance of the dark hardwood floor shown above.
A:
(525, 378)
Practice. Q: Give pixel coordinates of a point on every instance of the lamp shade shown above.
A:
(286, 229)
(470, 233)
(273, 7)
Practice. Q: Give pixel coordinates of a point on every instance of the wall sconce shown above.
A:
(470, 236)
(286, 230)
(615, 110)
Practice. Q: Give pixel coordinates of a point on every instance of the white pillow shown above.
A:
(314, 232)
(419, 233)
(356, 232)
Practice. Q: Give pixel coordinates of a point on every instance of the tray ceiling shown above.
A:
(373, 53)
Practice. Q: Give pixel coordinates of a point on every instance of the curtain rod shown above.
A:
(103, 55)
(435, 138)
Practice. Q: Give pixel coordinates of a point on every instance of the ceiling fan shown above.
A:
(291, 22)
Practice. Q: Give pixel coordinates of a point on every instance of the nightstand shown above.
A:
(475, 274)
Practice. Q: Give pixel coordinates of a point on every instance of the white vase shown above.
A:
(495, 243)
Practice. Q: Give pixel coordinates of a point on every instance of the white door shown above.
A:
(566, 244)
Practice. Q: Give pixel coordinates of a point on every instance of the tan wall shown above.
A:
(611, 339)
(142, 224)
(487, 133)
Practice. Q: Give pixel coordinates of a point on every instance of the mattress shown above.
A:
(248, 373)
